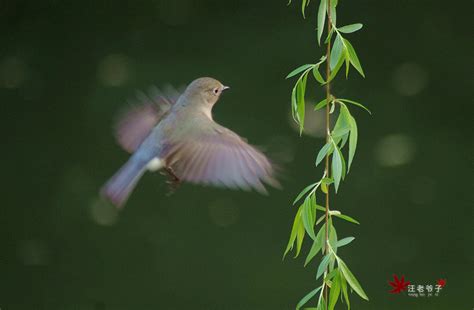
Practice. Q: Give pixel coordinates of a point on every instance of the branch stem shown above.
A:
(327, 171)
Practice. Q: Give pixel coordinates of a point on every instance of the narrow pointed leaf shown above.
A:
(351, 279)
(317, 245)
(294, 231)
(336, 167)
(344, 241)
(299, 238)
(321, 19)
(299, 70)
(344, 292)
(306, 298)
(294, 105)
(300, 101)
(317, 75)
(333, 12)
(320, 104)
(322, 153)
(344, 140)
(304, 191)
(334, 292)
(347, 61)
(353, 57)
(303, 7)
(335, 70)
(360, 105)
(347, 218)
(336, 52)
(352, 141)
(323, 265)
(350, 28)
(309, 217)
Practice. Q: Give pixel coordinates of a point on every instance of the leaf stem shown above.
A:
(327, 172)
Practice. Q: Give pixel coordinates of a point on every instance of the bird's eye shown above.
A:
(215, 90)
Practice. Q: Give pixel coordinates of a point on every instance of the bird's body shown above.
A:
(186, 142)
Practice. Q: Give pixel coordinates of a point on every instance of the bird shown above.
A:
(176, 133)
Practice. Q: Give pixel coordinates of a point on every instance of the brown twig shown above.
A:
(327, 171)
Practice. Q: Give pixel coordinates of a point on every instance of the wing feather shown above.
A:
(221, 158)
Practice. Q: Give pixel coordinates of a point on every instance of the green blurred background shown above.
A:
(67, 67)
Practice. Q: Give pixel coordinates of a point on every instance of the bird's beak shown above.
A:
(225, 87)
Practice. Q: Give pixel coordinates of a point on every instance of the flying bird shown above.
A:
(177, 134)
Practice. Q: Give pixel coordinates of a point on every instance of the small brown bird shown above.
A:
(177, 134)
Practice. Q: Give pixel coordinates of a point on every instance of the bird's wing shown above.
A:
(220, 157)
(135, 123)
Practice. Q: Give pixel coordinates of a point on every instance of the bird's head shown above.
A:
(206, 88)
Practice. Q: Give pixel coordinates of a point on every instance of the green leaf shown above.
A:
(317, 245)
(336, 166)
(306, 298)
(351, 279)
(321, 208)
(294, 105)
(347, 218)
(353, 57)
(333, 12)
(299, 70)
(330, 275)
(324, 184)
(344, 140)
(336, 52)
(344, 241)
(334, 292)
(321, 303)
(309, 216)
(327, 181)
(344, 291)
(324, 188)
(350, 28)
(300, 102)
(340, 133)
(299, 239)
(294, 231)
(360, 105)
(329, 36)
(303, 7)
(321, 19)
(320, 105)
(332, 237)
(317, 75)
(344, 172)
(335, 70)
(347, 61)
(322, 153)
(342, 126)
(352, 141)
(304, 191)
(323, 265)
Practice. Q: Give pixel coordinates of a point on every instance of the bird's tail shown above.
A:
(120, 186)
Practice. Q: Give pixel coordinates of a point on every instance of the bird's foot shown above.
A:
(173, 180)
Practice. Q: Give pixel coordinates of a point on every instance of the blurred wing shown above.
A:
(136, 123)
(221, 158)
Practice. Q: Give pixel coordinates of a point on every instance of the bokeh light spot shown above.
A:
(314, 123)
(103, 213)
(223, 213)
(394, 150)
(409, 79)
